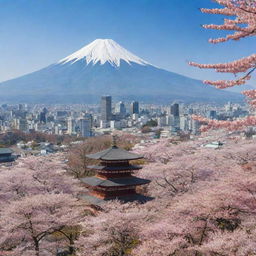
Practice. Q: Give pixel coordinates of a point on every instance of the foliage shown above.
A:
(204, 205)
(151, 123)
(204, 200)
(36, 198)
(242, 22)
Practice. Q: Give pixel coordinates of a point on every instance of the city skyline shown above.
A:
(94, 120)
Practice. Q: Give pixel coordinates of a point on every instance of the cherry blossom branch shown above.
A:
(236, 125)
(245, 13)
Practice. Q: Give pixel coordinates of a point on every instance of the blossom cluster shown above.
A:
(235, 125)
(242, 22)
(204, 204)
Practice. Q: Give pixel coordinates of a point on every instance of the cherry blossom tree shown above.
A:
(204, 200)
(242, 25)
(25, 223)
(36, 175)
(113, 231)
(38, 202)
(208, 217)
(204, 205)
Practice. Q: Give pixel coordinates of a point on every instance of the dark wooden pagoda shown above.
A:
(114, 177)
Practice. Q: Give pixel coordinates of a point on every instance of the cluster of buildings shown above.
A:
(54, 121)
(93, 120)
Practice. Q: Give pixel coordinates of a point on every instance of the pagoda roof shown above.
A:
(114, 153)
(114, 182)
(114, 168)
(124, 199)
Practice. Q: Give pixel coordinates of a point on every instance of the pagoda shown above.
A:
(114, 177)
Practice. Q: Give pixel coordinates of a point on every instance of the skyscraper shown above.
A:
(195, 125)
(175, 110)
(175, 113)
(20, 107)
(42, 117)
(212, 114)
(71, 125)
(106, 108)
(135, 107)
(85, 126)
(120, 109)
(21, 124)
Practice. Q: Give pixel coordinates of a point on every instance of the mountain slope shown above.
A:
(104, 67)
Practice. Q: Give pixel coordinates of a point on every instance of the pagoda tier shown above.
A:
(114, 177)
(119, 169)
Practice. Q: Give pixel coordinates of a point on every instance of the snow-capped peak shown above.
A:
(102, 51)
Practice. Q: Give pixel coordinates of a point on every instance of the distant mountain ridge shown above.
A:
(105, 67)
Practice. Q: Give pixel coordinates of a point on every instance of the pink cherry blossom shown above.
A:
(242, 22)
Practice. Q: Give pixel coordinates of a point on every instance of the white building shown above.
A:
(184, 123)
(104, 124)
(195, 126)
(71, 125)
(115, 124)
(162, 121)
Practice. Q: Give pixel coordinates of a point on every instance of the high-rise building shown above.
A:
(20, 107)
(184, 122)
(135, 107)
(175, 110)
(161, 121)
(85, 126)
(212, 114)
(175, 118)
(120, 109)
(22, 124)
(106, 108)
(71, 125)
(195, 126)
(42, 117)
(228, 107)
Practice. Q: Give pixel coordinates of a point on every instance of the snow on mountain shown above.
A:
(104, 67)
(102, 51)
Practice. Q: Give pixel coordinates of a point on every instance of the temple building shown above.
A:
(6, 155)
(114, 177)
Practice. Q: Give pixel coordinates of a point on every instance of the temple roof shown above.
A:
(124, 199)
(114, 182)
(6, 151)
(114, 153)
(114, 168)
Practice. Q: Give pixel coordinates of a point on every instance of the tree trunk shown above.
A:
(36, 246)
(71, 245)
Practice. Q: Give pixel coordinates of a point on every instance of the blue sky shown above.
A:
(167, 33)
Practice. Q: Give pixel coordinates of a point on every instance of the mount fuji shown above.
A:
(104, 67)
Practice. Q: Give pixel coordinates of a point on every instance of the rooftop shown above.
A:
(114, 153)
(114, 182)
(124, 199)
(115, 168)
(6, 151)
